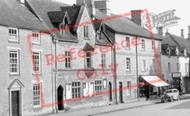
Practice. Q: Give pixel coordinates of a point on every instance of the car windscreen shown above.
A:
(169, 91)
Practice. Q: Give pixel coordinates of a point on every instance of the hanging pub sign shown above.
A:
(165, 19)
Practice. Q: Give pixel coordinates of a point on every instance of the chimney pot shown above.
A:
(160, 30)
(136, 16)
(182, 35)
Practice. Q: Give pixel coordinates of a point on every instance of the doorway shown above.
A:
(15, 103)
(110, 92)
(120, 92)
(60, 98)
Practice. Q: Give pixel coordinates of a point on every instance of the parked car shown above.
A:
(170, 95)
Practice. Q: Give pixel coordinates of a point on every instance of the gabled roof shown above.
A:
(14, 14)
(104, 38)
(168, 40)
(182, 42)
(41, 8)
(56, 16)
(125, 25)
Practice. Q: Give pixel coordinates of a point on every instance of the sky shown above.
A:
(153, 6)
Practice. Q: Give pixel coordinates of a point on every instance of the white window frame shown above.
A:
(103, 60)
(39, 94)
(36, 38)
(128, 88)
(12, 36)
(143, 44)
(39, 66)
(18, 62)
(143, 65)
(76, 90)
(98, 87)
(128, 64)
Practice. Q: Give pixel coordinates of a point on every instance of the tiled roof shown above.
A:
(73, 12)
(41, 9)
(126, 26)
(182, 42)
(168, 40)
(56, 16)
(14, 14)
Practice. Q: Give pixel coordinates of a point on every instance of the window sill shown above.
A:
(12, 41)
(37, 73)
(37, 107)
(14, 74)
(36, 43)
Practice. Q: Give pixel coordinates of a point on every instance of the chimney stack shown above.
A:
(92, 5)
(160, 31)
(182, 34)
(188, 32)
(136, 16)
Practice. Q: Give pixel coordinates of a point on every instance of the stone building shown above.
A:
(134, 60)
(23, 71)
(83, 73)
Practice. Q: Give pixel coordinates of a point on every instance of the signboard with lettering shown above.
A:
(165, 19)
(176, 75)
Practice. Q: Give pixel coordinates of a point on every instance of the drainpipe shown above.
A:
(115, 78)
(55, 73)
(137, 69)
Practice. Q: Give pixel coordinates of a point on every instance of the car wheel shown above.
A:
(171, 99)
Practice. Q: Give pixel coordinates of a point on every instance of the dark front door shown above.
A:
(60, 98)
(120, 92)
(110, 91)
(15, 103)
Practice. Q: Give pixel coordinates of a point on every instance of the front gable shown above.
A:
(83, 21)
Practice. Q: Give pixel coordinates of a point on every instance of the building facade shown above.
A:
(24, 76)
(83, 72)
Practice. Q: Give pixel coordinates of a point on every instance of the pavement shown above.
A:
(113, 108)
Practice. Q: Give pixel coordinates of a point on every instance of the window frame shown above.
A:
(103, 60)
(98, 87)
(38, 94)
(40, 63)
(86, 31)
(90, 59)
(142, 44)
(39, 38)
(127, 39)
(76, 94)
(143, 65)
(169, 67)
(128, 62)
(67, 59)
(11, 35)
(18, 62)
(128, 88)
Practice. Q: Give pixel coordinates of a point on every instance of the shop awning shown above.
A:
(154, 80)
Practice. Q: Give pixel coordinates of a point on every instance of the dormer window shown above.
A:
(13, 34)
(177, 51)
(168, 51)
